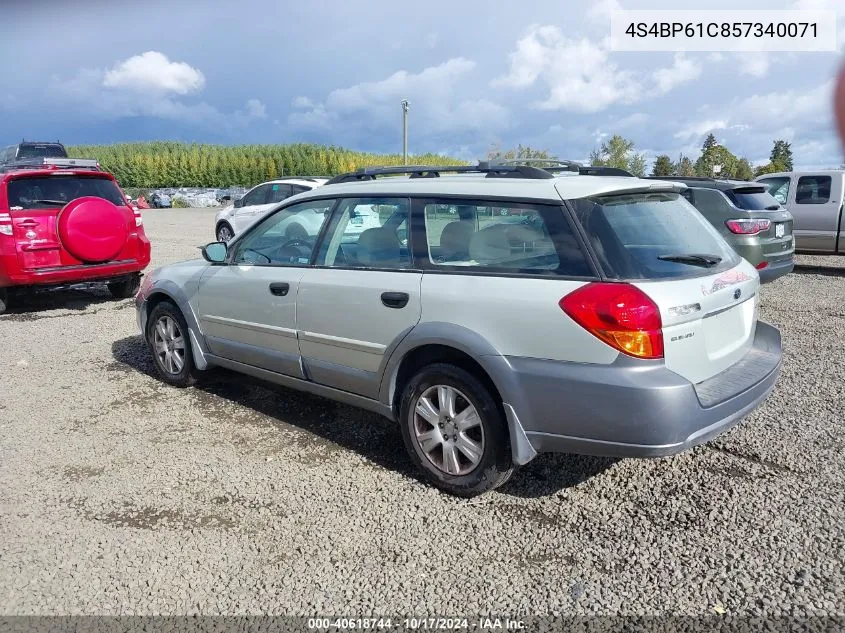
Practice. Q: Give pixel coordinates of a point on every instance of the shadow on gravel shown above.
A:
(549, 473)
(827, 271)
(370, 435)
(25, 306)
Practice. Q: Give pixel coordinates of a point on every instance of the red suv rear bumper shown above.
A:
(11, 274)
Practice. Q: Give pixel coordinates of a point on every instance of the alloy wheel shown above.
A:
(448, 430)
(169, 345)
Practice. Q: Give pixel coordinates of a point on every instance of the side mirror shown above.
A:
(215, 252)
(239, 203)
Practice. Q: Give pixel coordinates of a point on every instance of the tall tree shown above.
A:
(618, 152)
(495, 153)
(744, 170)
(712, 156)
(782, 155)
(684, 167)
(662, 166)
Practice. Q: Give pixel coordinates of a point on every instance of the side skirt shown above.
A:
(303, 385)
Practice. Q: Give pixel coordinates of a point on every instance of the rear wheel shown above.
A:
(169, 342)
(125, 289)
(224, 232)
(454, 431)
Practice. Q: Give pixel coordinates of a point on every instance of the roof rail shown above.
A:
(434, 171)
(554, 165)
(52, 163)
(697, 178)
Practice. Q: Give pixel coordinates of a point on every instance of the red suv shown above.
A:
(65, 222)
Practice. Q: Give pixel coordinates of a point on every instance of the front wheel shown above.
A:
(224, 232)
(454, 431)
(169, 341)
(125, 289)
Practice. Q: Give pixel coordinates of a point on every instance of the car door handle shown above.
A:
(280, 289)
(395, 299)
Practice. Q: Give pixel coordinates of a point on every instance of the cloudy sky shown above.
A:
(477, 73)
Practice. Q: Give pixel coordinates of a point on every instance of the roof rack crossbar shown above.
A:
(434, 171)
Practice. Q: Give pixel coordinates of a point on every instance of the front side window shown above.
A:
(652, 236)
(778, 187)
(368, 233)
(256, 196)
(813, 190)
(39, 192)
(285, 238)
(502, 237)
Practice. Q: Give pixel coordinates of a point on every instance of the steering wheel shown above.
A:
(298, 242)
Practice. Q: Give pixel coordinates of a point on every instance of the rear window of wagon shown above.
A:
(632, 233)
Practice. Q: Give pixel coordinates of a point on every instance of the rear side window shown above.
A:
(278, 193)
(778, 187)
(813, 190)
(648, 235)
(502, 237)
(710, 201)
(45, 191)
(753, 199)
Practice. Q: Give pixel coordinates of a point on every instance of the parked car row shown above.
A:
(549, 312)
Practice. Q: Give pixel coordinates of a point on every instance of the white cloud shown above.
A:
(154, 71)
(302, 103)
(600, 11)
(432, 95)
(147, 85)
(582, 76)
(682, 70)
(755, 64)
(254, 109)
(698, 129)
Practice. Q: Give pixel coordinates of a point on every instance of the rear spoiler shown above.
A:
(52, 163)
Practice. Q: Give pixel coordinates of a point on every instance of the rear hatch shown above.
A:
(760, 215)
(45, 240)
(706, 294)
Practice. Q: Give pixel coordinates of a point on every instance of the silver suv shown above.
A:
(494, 314)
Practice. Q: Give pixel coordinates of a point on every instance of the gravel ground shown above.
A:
(119, 495)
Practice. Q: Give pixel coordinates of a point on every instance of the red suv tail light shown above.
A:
(621, 315)
(5, 224)
(748, 227)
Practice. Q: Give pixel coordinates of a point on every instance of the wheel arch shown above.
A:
(168, 291)
(444, 342)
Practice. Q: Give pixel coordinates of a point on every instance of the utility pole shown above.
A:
(405, 106)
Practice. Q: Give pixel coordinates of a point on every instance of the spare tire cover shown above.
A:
(93, 229)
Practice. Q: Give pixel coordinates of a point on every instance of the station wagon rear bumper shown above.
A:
(635, 408)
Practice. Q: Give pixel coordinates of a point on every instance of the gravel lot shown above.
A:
(119, 495)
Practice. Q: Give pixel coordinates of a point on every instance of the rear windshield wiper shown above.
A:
(59, 202)
(692, 259)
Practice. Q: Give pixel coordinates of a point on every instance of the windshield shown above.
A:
(39, 151)
(652, 236)
(753, 199)
(38, 192)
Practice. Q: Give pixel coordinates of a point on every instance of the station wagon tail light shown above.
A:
(138, 220)
(748, 227)
(621, 315)
(5, 224)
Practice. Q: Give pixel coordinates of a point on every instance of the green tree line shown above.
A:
(173, 164)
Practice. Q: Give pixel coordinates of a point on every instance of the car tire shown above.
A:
(166, 325)
(4, 300)
(223, 229)
(125, 289)
(457, 466)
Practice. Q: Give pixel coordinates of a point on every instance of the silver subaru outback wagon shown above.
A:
(494, 313)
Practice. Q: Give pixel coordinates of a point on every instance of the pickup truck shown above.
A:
(815, 200)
